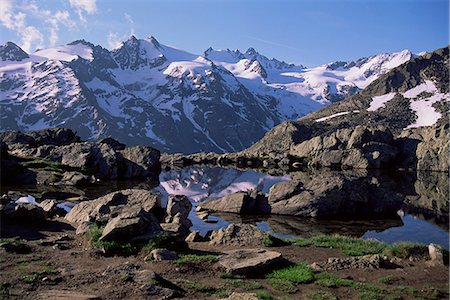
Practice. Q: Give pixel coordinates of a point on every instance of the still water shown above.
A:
(424, 217)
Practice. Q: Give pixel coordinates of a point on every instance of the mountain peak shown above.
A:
(251, 51)
(12, 52)
(152, 40)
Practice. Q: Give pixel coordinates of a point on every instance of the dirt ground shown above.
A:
(73, 270)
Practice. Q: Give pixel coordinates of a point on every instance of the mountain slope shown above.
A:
(409, 98)
(147, 93)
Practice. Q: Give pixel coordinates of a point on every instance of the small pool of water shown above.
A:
(201, 183)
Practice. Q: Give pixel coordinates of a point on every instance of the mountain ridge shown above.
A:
(146, 92)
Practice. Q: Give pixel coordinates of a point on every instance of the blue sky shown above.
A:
(307, 32)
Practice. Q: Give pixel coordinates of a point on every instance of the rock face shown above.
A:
(126, 215)
(249, 261)
(244, 235)
(357, 148)
(363, 262)
(394, 133)
(425, 148)
(329, 194)
(106, 159)
(177, 216)
(239, 203)
(150, 283)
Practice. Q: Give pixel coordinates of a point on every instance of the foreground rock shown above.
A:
(244, 235)
(239, 203)
(370, 262)
(149, 282)
(177, 216)
(123, 215)
(249, 261)
(66, 294)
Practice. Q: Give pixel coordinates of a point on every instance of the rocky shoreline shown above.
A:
(143, 246)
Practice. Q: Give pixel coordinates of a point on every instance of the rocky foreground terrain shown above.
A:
(125, 245)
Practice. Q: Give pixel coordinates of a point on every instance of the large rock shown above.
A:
(238, 235)
(150, 283)
(330, 194)
(239, 203)
(425, 148)
(177, 215)
(370, 262)
(359, 148)
(249, 261)
(126, 215)
(140, 161)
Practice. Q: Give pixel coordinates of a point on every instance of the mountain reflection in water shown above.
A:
(423, 218)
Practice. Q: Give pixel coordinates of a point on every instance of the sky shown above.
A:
(309, 32)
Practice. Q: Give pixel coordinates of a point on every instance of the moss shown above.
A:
(264, 295)
(109, 247)
(272, 241)
(283, 285)
(331, 280)
(39, 275)
(406, 249)
(299, 273)
(246, 285)
(321, 295)
(193, 258)
(348, 245)
(388, 280)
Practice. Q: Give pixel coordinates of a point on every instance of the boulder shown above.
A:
(126, 215)
(140, 161)
(75, 178)
(238, 203)
(194, 237)
(162, 254)
(329, 194)
(27, 213)
(150, 283)
(370, 262)
(249, 261)
(243, 235)
(436, 256)
(50, 206)
(358, 148)
(177, 215)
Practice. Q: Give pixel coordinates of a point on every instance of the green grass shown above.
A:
(388, 280)
(246, 285)
(197, 286)
(331, 280)
(109, 247)
(45, 164)
(272, 241)
(195, 258)
(38, 276)
(321, 295)
(348, 245)
(264, 295)
(161, 241)
(296, 274)
(283, 285)
(406, 249)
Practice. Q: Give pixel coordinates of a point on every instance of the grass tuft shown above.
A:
(272, 241)
(299, 273)
(321, 295)
(283, 285)
(331, 280)
(194, 258)
(348, 245)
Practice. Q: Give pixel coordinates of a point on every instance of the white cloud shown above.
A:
(115, 39)
(14, 15)
(84, 6)
(16, 21)
(30, 36)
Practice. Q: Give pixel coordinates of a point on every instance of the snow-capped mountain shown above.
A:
(147, 93)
